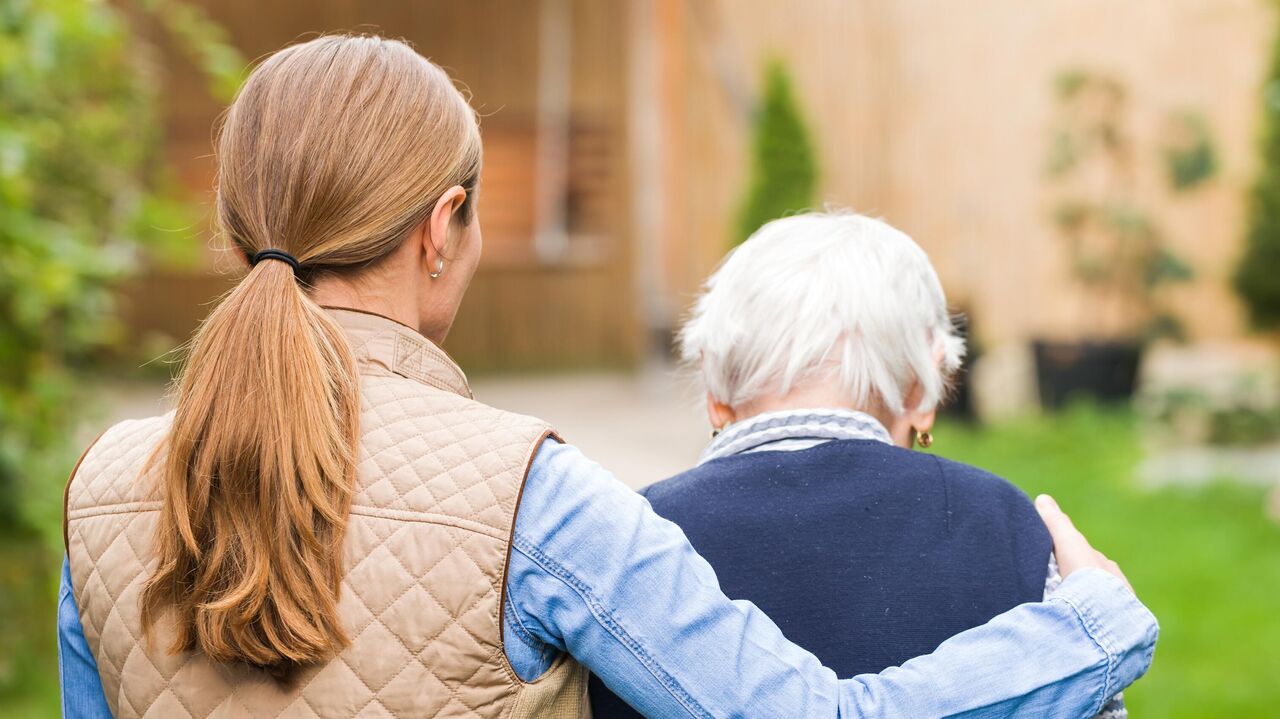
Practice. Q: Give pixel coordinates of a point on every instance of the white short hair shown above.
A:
(824, 296)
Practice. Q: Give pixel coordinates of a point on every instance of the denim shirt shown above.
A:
(594, 572)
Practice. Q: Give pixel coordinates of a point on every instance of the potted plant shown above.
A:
(1116, 252)
(960, 403)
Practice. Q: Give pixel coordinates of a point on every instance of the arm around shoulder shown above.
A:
(596, 573)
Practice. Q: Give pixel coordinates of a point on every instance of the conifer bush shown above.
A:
(1258, 274)
(784, 171)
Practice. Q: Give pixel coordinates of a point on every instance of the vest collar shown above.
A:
(384, 343)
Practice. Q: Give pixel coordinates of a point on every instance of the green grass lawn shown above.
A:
(1206, 562)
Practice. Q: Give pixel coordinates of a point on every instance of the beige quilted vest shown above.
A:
(439, 479)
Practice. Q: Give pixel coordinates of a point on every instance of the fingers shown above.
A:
(1064, 532)
(1070, 546)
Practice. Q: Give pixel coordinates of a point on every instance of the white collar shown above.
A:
(816, 425)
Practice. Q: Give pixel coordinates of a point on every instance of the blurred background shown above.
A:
(1097, 183)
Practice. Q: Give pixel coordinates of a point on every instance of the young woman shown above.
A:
(329, 525)
(824, 346)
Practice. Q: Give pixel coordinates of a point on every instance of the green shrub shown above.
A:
(1257, 275)
(784, 173)
(83, 196)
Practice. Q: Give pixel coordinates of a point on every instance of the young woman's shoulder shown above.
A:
(126, 438)
(409, 407)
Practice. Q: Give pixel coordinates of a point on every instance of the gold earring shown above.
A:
(925, 439)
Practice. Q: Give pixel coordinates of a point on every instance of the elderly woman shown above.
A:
(825, 347)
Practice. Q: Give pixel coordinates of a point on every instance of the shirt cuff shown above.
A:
(1118, 623)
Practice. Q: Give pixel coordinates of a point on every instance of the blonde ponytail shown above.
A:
(333, 152)
(261, 465)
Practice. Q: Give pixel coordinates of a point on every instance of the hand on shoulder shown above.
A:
(1070, 546)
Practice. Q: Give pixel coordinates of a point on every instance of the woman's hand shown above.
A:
(1070, 546)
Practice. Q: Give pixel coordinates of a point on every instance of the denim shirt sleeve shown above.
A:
(82, 694)
(1115, 707)
(596, 573)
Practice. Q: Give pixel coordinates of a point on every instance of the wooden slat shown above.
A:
(518, 313)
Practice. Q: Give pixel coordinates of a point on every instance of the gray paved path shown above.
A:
(642, 426)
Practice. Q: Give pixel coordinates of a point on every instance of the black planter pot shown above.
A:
(959, 404)
(1105, 372)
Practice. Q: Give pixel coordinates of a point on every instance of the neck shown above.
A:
(821, 397)
(339, 292)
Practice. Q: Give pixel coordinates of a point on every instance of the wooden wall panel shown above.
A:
(520, 313)
(937, 116)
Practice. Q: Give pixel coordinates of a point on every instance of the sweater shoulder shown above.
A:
(980, 484)
(672, 487)
(993, 500)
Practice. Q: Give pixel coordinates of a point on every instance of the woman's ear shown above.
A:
(913, 421)
(923, 421)
(442, 228)
(720, 415)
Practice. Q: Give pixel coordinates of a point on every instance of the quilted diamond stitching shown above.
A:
(424, 452)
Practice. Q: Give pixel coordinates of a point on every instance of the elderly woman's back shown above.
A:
(864, 553)
(825, 346)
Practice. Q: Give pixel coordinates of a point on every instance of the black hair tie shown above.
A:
(281, 255)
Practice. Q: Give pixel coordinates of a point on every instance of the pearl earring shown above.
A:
(439, 271)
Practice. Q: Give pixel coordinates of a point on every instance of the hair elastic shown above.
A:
(281, 255)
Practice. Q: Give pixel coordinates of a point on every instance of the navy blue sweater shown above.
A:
(864, 553)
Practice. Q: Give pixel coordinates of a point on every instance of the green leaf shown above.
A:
(1190, 158)
(1070, 82)
(83, 197)
(1165, 267)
